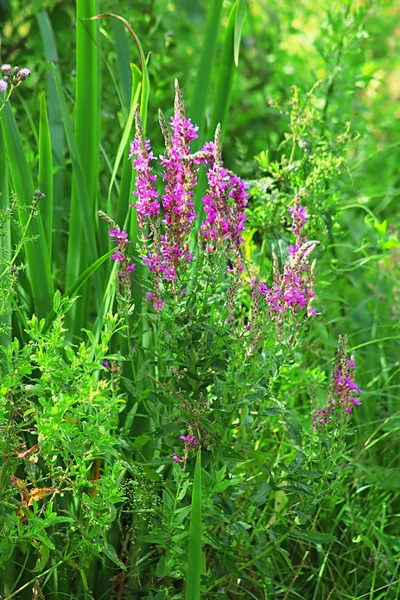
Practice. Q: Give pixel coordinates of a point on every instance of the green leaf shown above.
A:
(227, 68)
(110, 552)
(195, 546)
(240, 14)
(314, 537)
(38, 260)
(204, 69)
(46, 173)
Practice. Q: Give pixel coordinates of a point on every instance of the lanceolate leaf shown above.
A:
(46, 173)
(205, 68)
(195, 554)
(37, 256)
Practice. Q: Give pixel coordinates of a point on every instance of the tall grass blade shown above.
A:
(86, 138)
(56, 131)
(205, 68)
(227, 68)
(123, 53)
(144, 101)
(86, 217)
(46, 173)
(240, 14)
(74, 289)
(5, 243)
(195, 554)
(123, 153)
(37, 256)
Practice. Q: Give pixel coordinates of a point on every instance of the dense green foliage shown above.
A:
(98, 386)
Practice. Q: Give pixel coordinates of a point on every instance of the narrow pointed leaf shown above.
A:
(46, 173)
(195, 546)
(37, 257)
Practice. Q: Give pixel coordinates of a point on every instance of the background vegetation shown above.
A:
(308, 98)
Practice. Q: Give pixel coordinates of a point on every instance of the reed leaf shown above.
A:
(205, 68)
(5, 242)
(227, 67)
(86, 141)
(46, 173)
(195, 546)
(56, 131)
(81, 185)
(36, 252)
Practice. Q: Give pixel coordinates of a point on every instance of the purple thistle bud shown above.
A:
(3, 85)
(24, 73)
(5, 68)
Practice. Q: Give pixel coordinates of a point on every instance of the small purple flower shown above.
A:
(5, 68)
(159, 304)
(176, 458)
(3, 85)
(106, 365)
(299, 217)
(119, 236)
(189, 440)
(24, 73)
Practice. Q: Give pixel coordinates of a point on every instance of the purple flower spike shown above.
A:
(343, 390)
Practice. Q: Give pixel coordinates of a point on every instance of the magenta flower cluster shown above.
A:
(148, 203)
(292, 289)
(190, 442)
(120, 257)
(167, 223)
(224, 205)
(343, 394)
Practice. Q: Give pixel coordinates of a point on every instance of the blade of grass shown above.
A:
(240, 14)
(5, 240)
(46, 174)
(86, 138)
(76, 286)
(122, 51)
(56, 132)
(205, 68)
(144, 101)
(37, 256)
(227, 68)
(80, 182)
(195, 546)
(123, 150)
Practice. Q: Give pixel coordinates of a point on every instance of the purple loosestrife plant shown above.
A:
(343, 391)
(293, 290)
(168, 226)
(224, 205)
